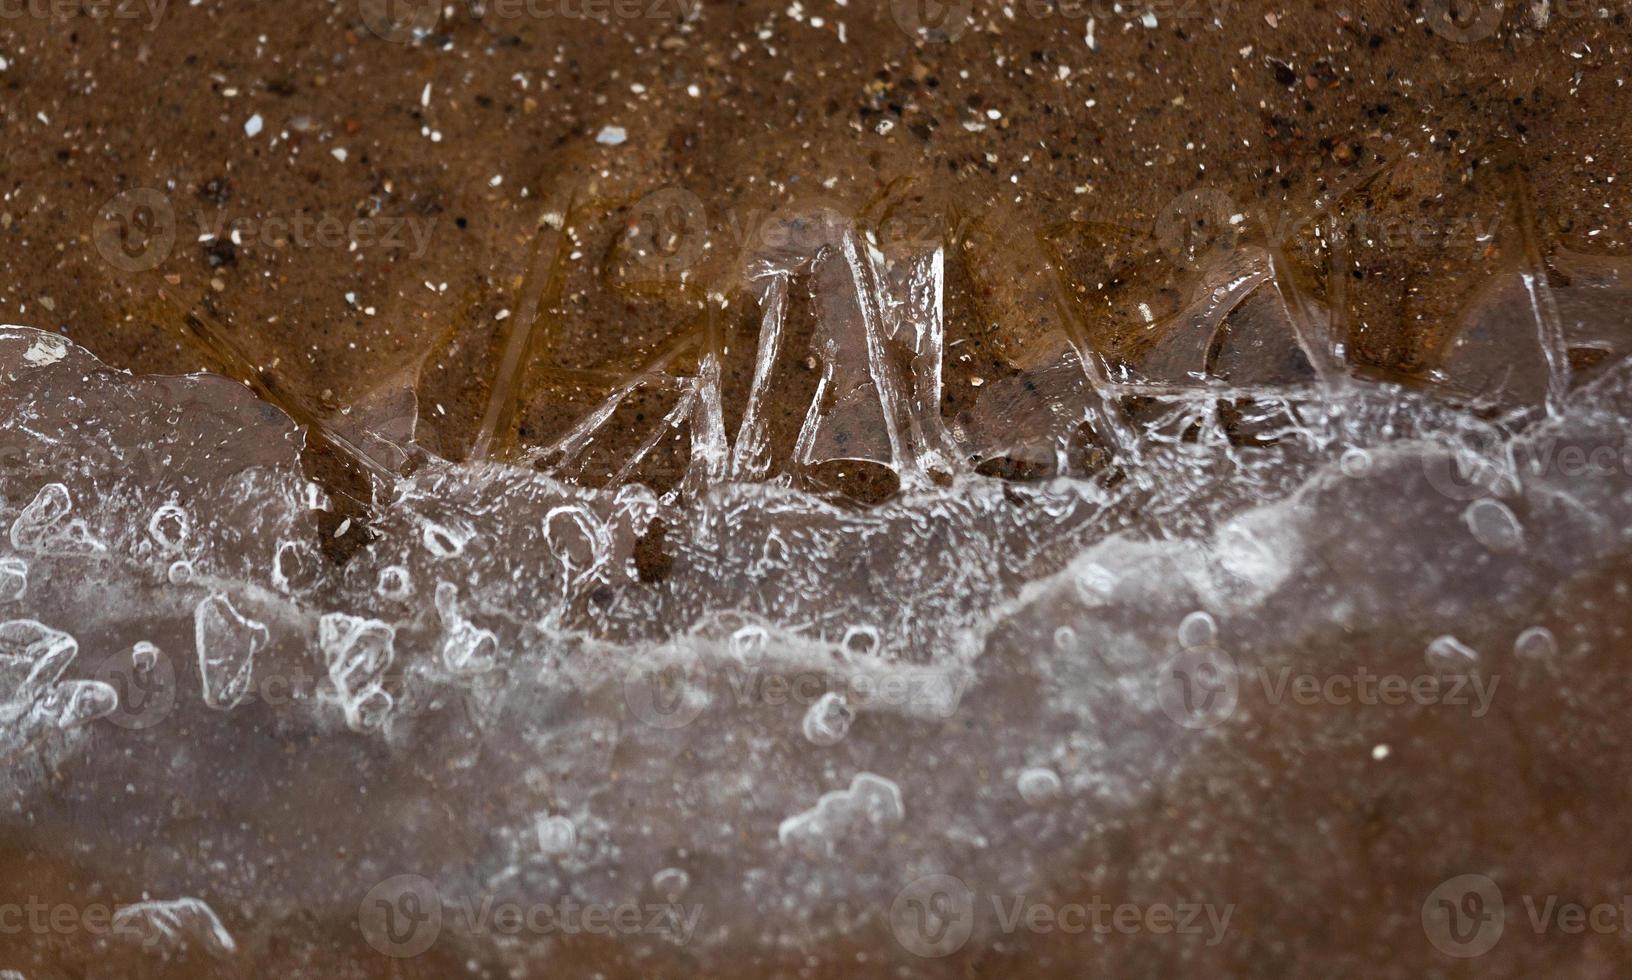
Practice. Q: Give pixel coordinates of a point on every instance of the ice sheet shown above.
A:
(813, 706)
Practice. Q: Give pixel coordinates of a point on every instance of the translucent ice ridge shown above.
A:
(495, 658)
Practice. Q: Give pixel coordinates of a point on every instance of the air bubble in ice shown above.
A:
(556, 835)
(227, 643)
(1065, 639)
(577, 539)
(1355, 463)
(76, 702)
(878, 799)
(1038, 786)
(295, 566)
(1198, 630)
(45, 528)
(749, 642)
(1493, 525)
(466, 648)
(168, 527)
(671, 883)
(445, 542)
(1450, 655)
(1095, 584)
(13, 579)
(829, 719)
(861, 641)
(774, 554)
(1536, 643)
(356, 652)
(636, 503)
(395, 582)
(871, 804)
(32, 657)
(180, 572)
(144, 655)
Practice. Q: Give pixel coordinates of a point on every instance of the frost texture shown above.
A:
(815, 704)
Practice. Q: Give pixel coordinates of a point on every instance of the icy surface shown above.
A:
(816, 705)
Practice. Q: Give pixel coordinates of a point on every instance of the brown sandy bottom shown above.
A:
(814, 489)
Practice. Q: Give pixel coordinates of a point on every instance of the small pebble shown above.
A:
(1493, 525)
(1536, 643)
(1198, 630)
(1451, 655)
(557, 835)
(671, 883)
(1038, 786)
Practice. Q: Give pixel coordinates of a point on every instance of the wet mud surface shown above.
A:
(1043, 158)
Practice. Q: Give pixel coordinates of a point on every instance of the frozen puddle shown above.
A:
(762, 751)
